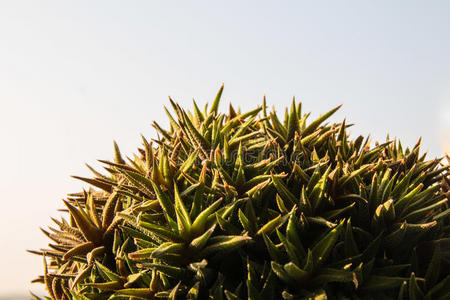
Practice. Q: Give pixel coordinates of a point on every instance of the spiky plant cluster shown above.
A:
(248, 206)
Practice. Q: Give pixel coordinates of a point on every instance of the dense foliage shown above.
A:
(250, 206)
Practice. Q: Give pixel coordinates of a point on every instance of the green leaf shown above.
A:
(107, 272)
(168, 248)
(347, 177)
(295, 272)
(253, 292)
(414, 290)
(270, 226)
(402, 291)
(335, 213)
(109, 210)
(283, 190)
(275, 253)
(419, 214)
(227, 244)
(293, 124)
(141, 182)
(294, 254)
(89, 231)
(350, 247)
(106, 286)
(304, 203)
(198, 243)
(215, 104)
(327, 275)
(311, 127)
(82, 274)
(292, 233)
(200, 221)
(171, 271)
(318, 191)
(183, 219)
(160, 231)
(97, 183)
(280, 272)
(164, 201)
(142, 254)
(135, 292)
(79, 250)
(325, 245)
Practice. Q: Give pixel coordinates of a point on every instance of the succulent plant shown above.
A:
(248, 206)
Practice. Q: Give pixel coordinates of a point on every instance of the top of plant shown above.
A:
(250, 206)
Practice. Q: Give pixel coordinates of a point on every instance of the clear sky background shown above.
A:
(74, 75)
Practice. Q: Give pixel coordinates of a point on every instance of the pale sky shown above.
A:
(75, 75)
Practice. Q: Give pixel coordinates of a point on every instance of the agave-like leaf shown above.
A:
(255, 205)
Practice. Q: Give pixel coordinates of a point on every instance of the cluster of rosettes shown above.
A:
(248, 206)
